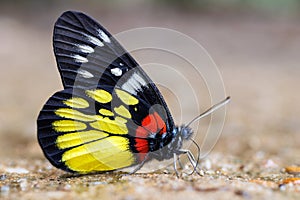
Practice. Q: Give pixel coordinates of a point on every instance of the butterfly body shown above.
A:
(110, 115)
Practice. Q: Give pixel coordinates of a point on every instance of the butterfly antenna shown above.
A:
(210, 110)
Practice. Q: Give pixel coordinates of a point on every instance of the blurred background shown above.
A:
(256, 45)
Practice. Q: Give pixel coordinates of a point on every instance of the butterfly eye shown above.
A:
(186, 132)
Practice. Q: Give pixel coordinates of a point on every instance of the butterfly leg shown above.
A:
(180, 163)
(191, 159)
(175, 165)
(140, 165)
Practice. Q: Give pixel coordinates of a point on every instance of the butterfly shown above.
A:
(109, 115)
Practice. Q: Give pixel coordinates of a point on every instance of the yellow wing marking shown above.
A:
(74, 119)
(111, 126)
(99, 95)
(68, 126)
(102, 155)
(121, 110)
(106, 112)
(126, 97)
(120, 119)
(77, 138)
(76, 102)
(75, 115)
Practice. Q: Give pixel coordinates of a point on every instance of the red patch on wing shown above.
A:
(161, 126)
(152, 123)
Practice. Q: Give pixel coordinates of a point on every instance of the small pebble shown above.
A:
(17, 170)
(201, 172)
(2, 177)
(207, 164)
(269, 184)
(210, 172)
(23, 183)
(270, 164)
(292, 169)
(294, 181)
(4, 189)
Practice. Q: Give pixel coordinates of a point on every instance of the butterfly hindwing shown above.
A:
(79, 131)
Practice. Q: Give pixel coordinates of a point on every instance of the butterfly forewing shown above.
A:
(84, 50)
(88, 56)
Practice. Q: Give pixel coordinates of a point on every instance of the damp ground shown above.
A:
(256, 156)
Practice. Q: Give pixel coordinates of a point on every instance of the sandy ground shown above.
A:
(259, 61)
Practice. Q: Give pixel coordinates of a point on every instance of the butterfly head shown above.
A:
(180, 134)
(185, 132)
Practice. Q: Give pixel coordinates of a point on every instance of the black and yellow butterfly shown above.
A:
(110, 114)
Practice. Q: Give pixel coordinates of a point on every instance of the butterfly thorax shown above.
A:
(170, 143)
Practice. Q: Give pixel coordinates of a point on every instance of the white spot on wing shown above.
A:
(121, 64)
(85, 73)
(116, 71)
(80, 59)
(94, 40)
(103, 36)
(85, 48)
(134, 84)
